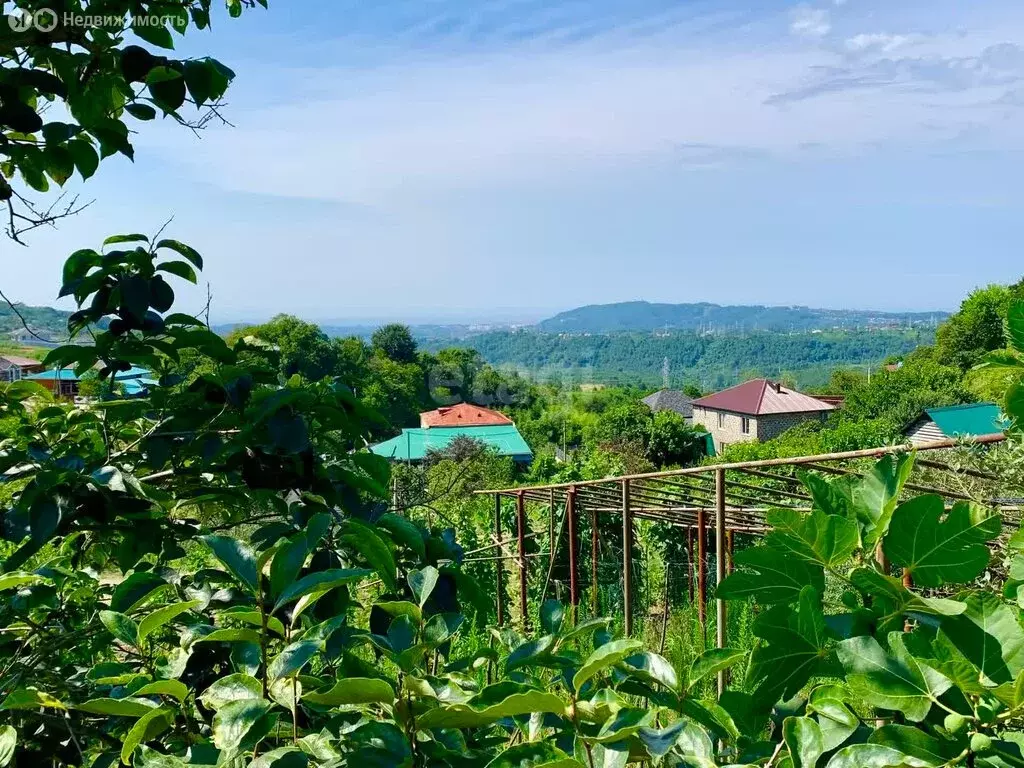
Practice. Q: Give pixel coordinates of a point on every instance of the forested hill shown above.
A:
(47, 321)
(714, 318)
(711, 362)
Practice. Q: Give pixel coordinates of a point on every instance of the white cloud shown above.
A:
(806, 21)
(408, 125)
(878, 41)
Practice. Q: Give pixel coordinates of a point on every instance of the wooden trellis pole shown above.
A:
(689, 563)
(720, 567)
(595, 547)
(551, 526)
(499, 565)
(627, 560)
(524, 608)
(702, 574)
(729, 551)
(574, 587)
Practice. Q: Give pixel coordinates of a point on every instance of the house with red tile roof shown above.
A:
(463, 415)
(759, 409)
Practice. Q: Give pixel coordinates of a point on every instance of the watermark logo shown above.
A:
(47, 19)
(43, 20)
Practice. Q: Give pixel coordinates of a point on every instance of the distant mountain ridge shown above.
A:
(644, 316)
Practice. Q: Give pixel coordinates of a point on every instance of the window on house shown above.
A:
(721, 420)
(746, 426)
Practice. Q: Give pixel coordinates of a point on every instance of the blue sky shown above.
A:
(452, 160)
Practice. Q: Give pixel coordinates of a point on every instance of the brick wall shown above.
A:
(729, 429)
(775, 424)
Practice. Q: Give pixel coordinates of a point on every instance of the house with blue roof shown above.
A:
(64, 382)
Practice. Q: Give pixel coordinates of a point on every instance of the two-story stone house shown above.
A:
(755, 410)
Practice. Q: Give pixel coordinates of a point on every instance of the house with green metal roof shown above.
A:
(955, 421)
(414, 444)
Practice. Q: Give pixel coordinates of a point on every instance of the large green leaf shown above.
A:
(659, 741)
(804, 740)
(161, 616)
(624, 724)
(939, 551)
(989, 636)
(30, 698)
(146, 728)
(404, 532)
(891, 601)
(234, 687)
(231, 635)
(1013, 403)
(117, 707)
(533, 755)
(795, 649)
(353, 690)
(172, 688)
(506, 699)
(1015, 325)
(876, 494)
(552, 614)
(121, 627)
(291, 556)
(895, 681)
(652, 668)
(816, 537)
(596, 756)
(916, 743)
(831, 495)
(182, 249)
(713, 661)
(608, 655)
(375, 550)
(873, 756)
(422, 583)
(8, 743)
(293, 658)
(835, 720)
(19, 579)
(135, 590)
(237, 557)
(241, 724)
(530, 652)
(770, 576)
(319, 583)
(584, 628)
(288, 561)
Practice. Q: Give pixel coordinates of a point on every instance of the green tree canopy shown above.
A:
(395, 342)
(303, 347)
(977, 328)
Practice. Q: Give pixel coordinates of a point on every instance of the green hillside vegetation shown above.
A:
(714, 318)
(709, 362)
(48, 322)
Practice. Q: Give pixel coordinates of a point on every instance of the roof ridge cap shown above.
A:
(760, 399)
